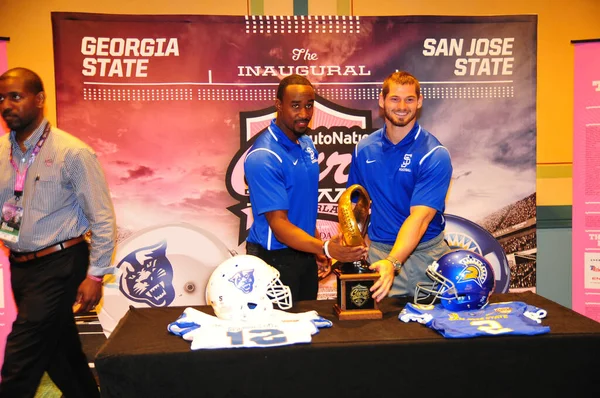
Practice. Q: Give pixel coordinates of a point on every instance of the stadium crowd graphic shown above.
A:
(515, 228)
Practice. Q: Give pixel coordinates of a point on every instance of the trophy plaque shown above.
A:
(354, 280)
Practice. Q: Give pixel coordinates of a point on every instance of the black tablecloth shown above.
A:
(356, 359)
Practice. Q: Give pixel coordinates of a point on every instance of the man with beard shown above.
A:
(282, 172)
(406, 172)
(57, 184)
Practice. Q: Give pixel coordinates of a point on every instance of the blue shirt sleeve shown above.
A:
(434, 180)
(266, 181)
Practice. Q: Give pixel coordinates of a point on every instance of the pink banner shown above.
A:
(3, 57)
(586, 184)
(7, 304)
(3, 67)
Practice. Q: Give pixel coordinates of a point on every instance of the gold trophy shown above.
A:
(354, 280)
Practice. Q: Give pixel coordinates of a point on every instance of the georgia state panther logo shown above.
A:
(474, 271)
(147, 276)
(243, 280)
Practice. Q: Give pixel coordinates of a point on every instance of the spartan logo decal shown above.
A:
(147, 276)
(334, 129)
(243, 280)
(474, 271)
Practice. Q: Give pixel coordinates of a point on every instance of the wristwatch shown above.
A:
(397, 264)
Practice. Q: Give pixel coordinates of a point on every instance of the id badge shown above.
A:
(10, 224)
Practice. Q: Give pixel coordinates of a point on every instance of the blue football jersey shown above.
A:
(512, 317)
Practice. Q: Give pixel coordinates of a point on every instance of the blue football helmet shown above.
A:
(462, 280)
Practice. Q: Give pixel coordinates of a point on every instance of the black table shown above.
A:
(356, 359)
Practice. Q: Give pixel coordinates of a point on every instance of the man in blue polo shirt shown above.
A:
(282, 172)
(406, 172)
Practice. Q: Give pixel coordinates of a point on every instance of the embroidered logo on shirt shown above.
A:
(310, 151)
(369, 161)
(295, 162)
(406, 163)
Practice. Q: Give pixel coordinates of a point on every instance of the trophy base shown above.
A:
(354, 315)
(354, 299)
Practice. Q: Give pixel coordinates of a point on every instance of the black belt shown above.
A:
(23, 257)
(261, 251)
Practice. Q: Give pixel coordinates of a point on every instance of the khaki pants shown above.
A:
(413, 269)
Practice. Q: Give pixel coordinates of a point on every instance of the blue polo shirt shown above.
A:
(281, 175)
(414, 172)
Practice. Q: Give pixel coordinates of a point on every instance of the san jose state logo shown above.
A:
(474, 271)
(311, 153)
(335, 131)
(406, 162)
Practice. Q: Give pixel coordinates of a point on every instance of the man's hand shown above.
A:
(382, 286)
(89, 294)
(346, 254)
(323, 266)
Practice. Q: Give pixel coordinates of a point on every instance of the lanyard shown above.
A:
(20, 181)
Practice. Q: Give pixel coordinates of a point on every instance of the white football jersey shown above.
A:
(280, 328)
(252, 335)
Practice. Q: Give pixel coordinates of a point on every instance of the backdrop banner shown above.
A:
(586, 185)
(172, 103)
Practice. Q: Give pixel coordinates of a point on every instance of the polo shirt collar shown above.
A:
(280, 136)
(409, 138)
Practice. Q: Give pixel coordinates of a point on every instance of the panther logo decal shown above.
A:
(243, 280)
(147, 276)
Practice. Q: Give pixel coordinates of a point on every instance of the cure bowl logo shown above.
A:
(359, 295)
(334, 129)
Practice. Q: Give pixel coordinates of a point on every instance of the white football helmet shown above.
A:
(244, 288)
